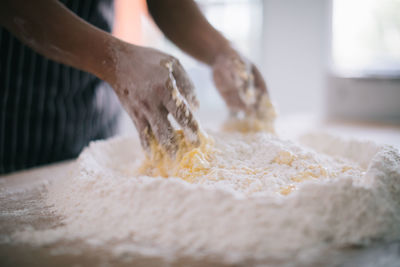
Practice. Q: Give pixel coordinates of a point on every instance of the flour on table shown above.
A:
(255, 196)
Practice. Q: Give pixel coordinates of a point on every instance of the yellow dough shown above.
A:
(189, 161)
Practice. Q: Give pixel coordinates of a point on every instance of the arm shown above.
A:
(55, 32)
(238, 80)
(184, 24)
(143, 78)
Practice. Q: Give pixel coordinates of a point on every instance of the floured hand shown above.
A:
(151, 85)
(239, 81)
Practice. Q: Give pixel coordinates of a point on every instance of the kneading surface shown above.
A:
(248, 196)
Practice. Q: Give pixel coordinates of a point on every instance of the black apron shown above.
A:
(49, 111)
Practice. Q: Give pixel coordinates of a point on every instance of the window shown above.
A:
(366, 36)
(365, 84)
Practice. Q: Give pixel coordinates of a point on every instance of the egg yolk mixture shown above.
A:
(190, 161)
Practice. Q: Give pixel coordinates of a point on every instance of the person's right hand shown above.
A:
(151, 85)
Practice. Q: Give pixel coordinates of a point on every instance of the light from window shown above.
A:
(366, 36)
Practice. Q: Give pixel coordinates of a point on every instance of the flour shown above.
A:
(261, 197)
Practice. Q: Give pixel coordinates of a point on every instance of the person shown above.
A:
(59, 63)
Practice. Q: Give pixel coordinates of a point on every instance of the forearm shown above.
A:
(52, 30)
(184, 24)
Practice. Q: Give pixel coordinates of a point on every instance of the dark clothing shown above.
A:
(49, 111)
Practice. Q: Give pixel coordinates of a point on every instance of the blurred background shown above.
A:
(338, 60)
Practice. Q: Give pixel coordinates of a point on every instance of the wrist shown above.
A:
(103, 61)
(223, 48)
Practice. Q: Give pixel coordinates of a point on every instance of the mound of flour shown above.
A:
(262, 197)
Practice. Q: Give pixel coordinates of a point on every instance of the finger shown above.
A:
(143, 128)
(259, 84)
(180, 110)
(184, 84)
(223, 79)
(157, 116)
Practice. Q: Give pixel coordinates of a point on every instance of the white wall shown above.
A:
(296, 52)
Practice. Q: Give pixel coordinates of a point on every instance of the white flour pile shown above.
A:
(261, 197)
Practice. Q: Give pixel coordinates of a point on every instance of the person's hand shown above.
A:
(151, 85)
(239, 81)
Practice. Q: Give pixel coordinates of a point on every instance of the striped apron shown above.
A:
(50, 111)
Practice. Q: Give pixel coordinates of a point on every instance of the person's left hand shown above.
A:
(239, 81)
